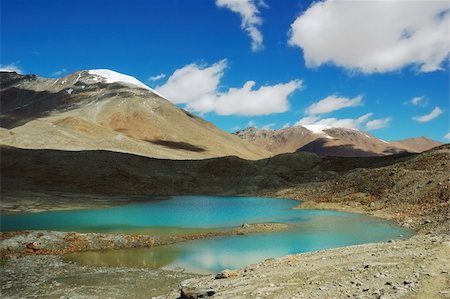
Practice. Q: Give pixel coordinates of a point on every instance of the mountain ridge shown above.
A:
(330, 141)
(84, 111)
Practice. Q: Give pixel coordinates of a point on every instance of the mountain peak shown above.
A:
(110, 76)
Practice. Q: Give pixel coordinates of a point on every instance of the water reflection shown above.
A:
(320, 230)
(153, 258)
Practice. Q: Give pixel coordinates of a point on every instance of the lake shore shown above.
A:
(414, 268)
(413, 193)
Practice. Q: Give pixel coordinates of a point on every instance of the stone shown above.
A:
(245, 225)
(194, 293)
(226, 274)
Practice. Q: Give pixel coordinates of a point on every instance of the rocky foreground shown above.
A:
(412, 190)
(415, 268)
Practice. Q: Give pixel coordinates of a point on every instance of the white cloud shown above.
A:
(286, 125)
(59, 73)
(349, 123)
(193, 82)
(250, 20)
(235, 128)
(418, 101)
(430, 116)
(378, 123)
(197, 87)
(268, 126)
(333, 103)
(447, 136)
(374, 36)
(262, 101)
(156, 77)
(10, 68)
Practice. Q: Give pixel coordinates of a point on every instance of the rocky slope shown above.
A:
(102, 109)
(331, 141)
(413, 183)
(416, 145)
(105, 172)
(410, 189)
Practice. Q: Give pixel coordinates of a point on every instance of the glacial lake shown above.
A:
(311, 230)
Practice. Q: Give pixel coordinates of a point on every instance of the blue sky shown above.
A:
(366, 61)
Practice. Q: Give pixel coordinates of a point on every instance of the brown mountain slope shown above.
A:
(331, 142)
(86, 111)
(278, 141)
(416, 145)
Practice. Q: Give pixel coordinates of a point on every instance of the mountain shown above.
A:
(416, 145)
(328, 141)
(106, 110)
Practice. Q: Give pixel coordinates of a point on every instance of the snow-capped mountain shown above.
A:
(329, 141)
(103, 109)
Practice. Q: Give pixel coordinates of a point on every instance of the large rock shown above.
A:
(194, 293)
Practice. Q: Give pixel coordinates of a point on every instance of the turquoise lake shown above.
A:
(311, 230)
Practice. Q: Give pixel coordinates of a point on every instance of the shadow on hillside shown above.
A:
(19, 106)
(113, 173)
(320, 147)
(178, 145)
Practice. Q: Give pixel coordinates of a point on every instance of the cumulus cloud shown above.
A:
(248, 10)
(249, 101)
(349, 123)
(198, 88)
(156, 77)
(313, 115)
(10, 68)
(333, 103)
(430, 116)
(378, 123)
(418, 101)
(374, 36)
(193, 83)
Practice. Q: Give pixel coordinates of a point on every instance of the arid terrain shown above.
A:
(412, 190)
(225, 149)
(85, 111)
(327, 141)
(90, 141)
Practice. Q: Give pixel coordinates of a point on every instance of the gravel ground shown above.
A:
(414, 268)
(48, 276)
(414, 192)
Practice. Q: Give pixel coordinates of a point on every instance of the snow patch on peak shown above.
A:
(318, 129)
(110, 76)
